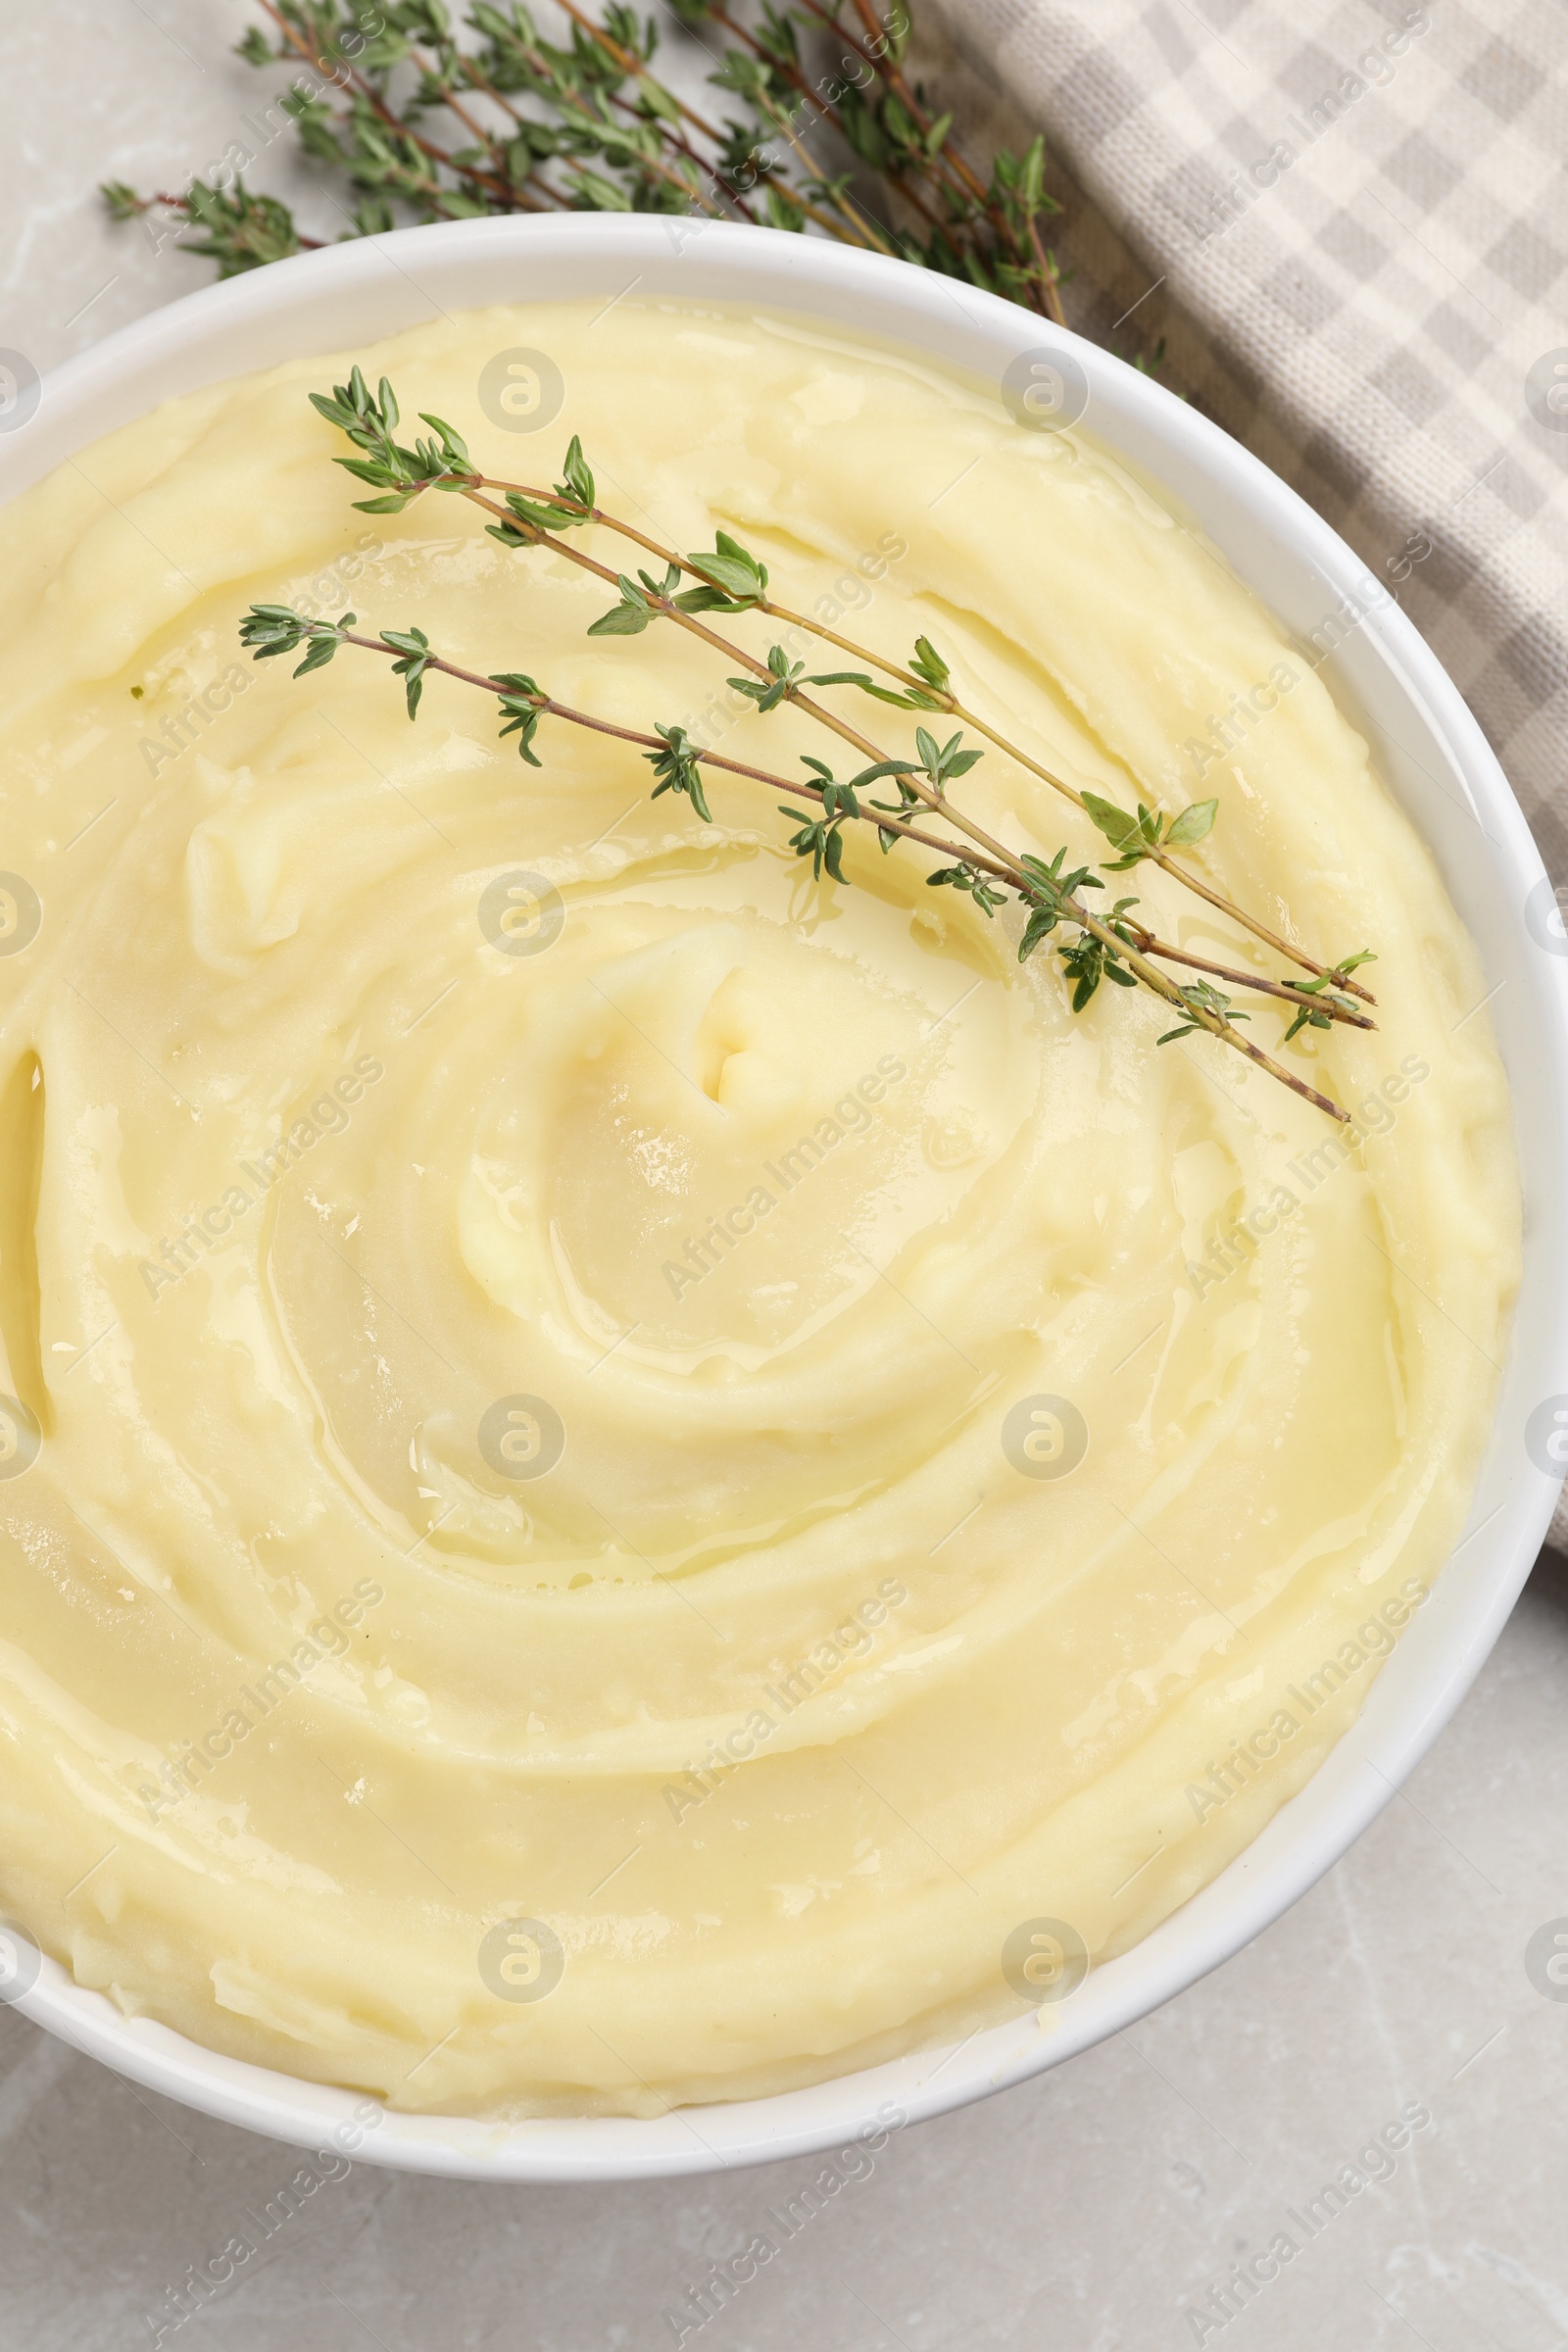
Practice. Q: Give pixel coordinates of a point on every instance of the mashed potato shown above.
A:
(626, 1477)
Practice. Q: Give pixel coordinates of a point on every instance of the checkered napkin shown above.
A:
(1349, 222)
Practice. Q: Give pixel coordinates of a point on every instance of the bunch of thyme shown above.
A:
(826, 130)
(1096, 944)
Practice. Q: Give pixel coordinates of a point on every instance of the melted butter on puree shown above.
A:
(734, 1645)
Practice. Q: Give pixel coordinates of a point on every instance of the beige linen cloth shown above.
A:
(1349, 222)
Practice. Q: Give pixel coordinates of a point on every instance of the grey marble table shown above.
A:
(1097, 2208)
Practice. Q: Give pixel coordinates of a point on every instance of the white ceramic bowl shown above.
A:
(1431, 753)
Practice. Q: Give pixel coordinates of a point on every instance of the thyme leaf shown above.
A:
(523, 701)
(1201, 997)
(768, 691)
(642, 602)
(678, 770)
(728, 570)
(1148, 833)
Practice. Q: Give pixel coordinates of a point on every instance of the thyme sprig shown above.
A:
(241, 231)
(427, 122)
(1101, 948)
(731, 580)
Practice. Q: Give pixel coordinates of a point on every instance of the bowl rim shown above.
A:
(401, 277)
